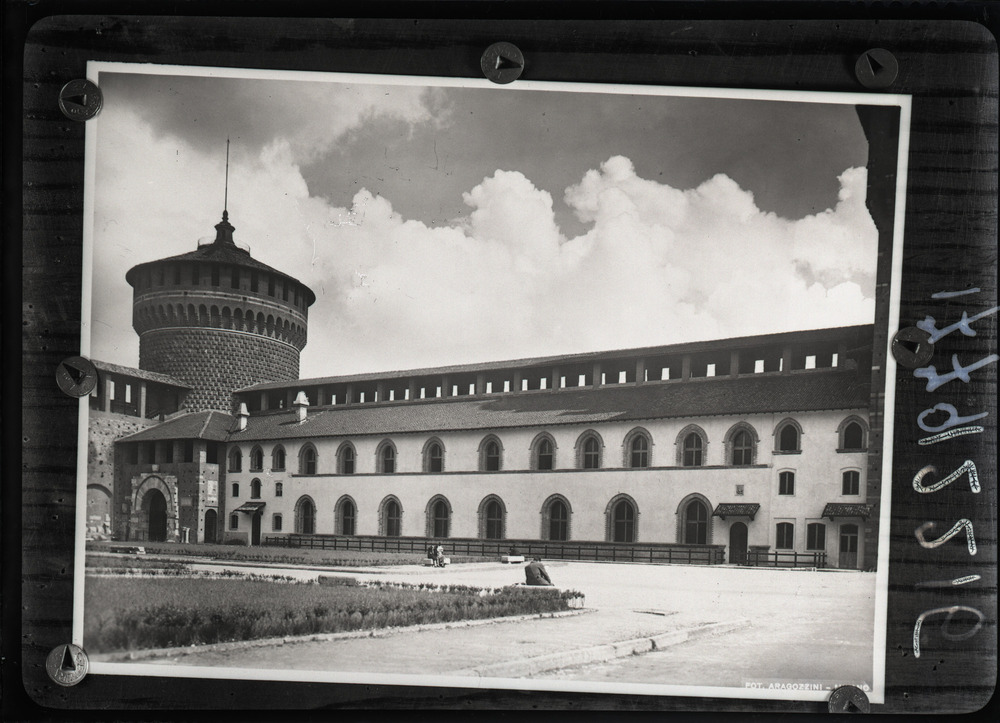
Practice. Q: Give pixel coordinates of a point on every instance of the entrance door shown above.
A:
(848, 546)
(157, 516)
(738, 544)
(211, 518)
(255, 528)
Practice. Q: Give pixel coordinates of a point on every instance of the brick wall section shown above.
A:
(103, 467)
(215, 362)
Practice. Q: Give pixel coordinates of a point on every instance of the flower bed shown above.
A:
(134, 613)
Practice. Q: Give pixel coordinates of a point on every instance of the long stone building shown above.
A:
(748, 445)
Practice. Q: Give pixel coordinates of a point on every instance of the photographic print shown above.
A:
(435, 382)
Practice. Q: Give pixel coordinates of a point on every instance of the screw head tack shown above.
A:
(849, 699)
(67, 664)
(876, 68)
(76, 376)
(502, 63)
(911, 347)
(80, 100)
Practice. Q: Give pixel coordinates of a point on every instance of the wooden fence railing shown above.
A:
(785, 558)
(551, 550)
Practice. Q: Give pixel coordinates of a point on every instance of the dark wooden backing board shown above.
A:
(950, 68)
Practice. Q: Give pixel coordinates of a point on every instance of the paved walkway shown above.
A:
(776, 625)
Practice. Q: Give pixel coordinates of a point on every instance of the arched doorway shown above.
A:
(211, 522)
(738, 544)
(156, 509)
(305, 516)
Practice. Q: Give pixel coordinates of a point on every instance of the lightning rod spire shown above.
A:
(225, 203)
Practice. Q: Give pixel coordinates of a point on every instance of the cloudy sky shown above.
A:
(442, 225)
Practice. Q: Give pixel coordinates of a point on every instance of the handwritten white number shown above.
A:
(967, 466)
(955, 529)
(951, 613)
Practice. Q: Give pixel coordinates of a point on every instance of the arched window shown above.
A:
(346, 459)
(555, 518)
(694, 520)
(305, 516)
(815, 536)
(741, 445)
(786, 483)
(438, 517)
(279, 489)
(853, 435)
(433, 456)
(543, 452)
(637, 448)
(492, 518)
(784, 538)
(234, 521)
(307, 460)
(255, 489)
(787, 436)
(256, 459)
(390, 517)
(385, 457)
(346, 516)
(621, 517)
(851, 482)
(691, 444)
(278, 458)
(588, 449)
(490, 451)
(236, 489)
(235, 460)
(276, 523)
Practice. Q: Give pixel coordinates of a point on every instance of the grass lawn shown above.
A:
(280, 555)
(123, 614)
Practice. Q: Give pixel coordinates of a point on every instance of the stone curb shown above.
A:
(600, 653)
(152, 653)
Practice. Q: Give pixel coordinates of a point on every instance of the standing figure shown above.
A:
(440, 556)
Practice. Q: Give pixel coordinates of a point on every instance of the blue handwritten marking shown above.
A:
(971, 429)
(953, 419)
(929, 324)
(935, 380)
(967, 466)
(953, 294)
(951, 613)
(949, 583)
(955, 529)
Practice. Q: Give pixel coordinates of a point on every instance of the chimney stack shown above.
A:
(301, 403)
(243, 415)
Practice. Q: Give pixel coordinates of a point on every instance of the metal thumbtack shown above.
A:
(876, 68)
(80, 100)
(911, 347)
(76, 376)
(849, 699)
(502, 63)
(67, 664)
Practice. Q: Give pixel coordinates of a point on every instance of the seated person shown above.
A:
(440, 556)
(536, 574)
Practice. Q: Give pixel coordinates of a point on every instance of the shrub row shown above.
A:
(133, 613)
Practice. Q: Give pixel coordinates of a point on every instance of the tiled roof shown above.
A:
(213, 426)
(806, 391)
(139, 374)
(858, 335)
(845, 509)
(250, 507)
(736, 509)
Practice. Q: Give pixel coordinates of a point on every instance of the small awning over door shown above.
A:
(736, 509)
(250, 507)
(834, 510)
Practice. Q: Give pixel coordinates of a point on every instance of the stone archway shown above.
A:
(154, 509)
(155, 512)
(211, 525)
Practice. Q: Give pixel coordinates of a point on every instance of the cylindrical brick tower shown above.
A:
(218, 320)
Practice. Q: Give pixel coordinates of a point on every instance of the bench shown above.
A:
(511, 559)
(428, 562)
